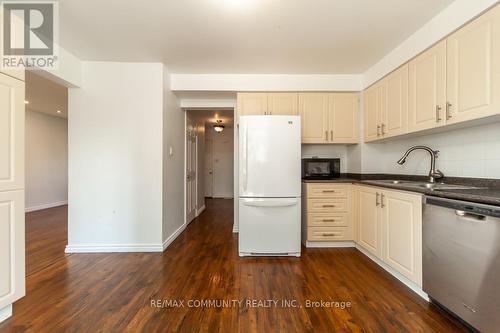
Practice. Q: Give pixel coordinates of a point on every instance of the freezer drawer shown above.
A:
(269, 226)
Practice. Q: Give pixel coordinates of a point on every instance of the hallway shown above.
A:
(116, 292)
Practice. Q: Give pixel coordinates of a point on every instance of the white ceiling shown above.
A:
(46, 96)
(243, 36)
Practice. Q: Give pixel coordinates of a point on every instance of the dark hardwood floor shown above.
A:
(114, 292)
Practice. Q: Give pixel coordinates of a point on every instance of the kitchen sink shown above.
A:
(423, 185)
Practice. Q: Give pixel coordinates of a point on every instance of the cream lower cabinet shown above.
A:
(389, 226)
(327, 212)
(12, 271)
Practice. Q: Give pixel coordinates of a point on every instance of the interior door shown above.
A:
(285, 104)
(12, 243)
(209, 172)
(473, 82)
(427, 89)
(369, 233)
(313, 109)
(343, 117)
(190, 170)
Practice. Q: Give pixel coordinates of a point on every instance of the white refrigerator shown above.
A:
(269, 186)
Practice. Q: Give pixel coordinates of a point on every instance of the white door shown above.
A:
(270, 156)
(12, 247)
(209, 172)
(190, 170)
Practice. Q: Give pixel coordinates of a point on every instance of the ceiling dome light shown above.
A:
(218, 127)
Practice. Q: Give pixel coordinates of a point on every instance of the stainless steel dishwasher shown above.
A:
(461, 260)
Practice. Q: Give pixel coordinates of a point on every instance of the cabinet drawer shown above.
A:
(327, 220)
(327, 191)
(328, 233)
(326, 205)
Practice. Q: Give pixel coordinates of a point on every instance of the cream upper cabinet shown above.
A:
(313, 109)
(369, 228)
(374, 104)
(252, 104)
(282, 104)
(395, 120)
(473, 60)
(343, 117)
(427, 89)
(402, 233)
(11, 133)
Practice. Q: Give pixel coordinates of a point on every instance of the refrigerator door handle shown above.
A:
(270, 202)
(245, 158)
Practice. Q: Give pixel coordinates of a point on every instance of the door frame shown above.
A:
(185, 170)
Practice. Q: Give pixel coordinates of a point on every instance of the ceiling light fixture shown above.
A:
(58, 111)
(26, 102)
(218, 127)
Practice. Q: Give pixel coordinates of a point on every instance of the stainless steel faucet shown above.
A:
(433, 173)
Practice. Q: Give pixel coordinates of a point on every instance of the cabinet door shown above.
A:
(473, 71)
(427, 89)
(12, 272)
(252, 104)
(373, 103)
(402, 233)
(313, 109)
(282, 104)
(11, 133)
(343, 117)
(396, 112)
(369, 233)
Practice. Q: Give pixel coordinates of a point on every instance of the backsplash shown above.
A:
(468, 152)
(328, 151)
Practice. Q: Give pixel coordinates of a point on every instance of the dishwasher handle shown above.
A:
(470, 216)
(465, 208)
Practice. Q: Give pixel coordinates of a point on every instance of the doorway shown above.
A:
(209, 158)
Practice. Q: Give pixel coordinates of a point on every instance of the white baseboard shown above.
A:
(200, 210)
(107, 248)
(6, 313)
(222, 196)
(410, 284)
(173, 236)
(330, 244)
(45, 206)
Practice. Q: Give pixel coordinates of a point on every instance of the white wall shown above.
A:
(46, 161)
(223, 161)
(173, 165)
(115, 157)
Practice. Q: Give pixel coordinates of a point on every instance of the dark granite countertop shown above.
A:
(487, 191)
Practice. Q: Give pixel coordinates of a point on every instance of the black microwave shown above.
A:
(320, 168)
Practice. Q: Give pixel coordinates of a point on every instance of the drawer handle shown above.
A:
(328, 191)
(330, 234)
(328, 206)
(328, 220)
